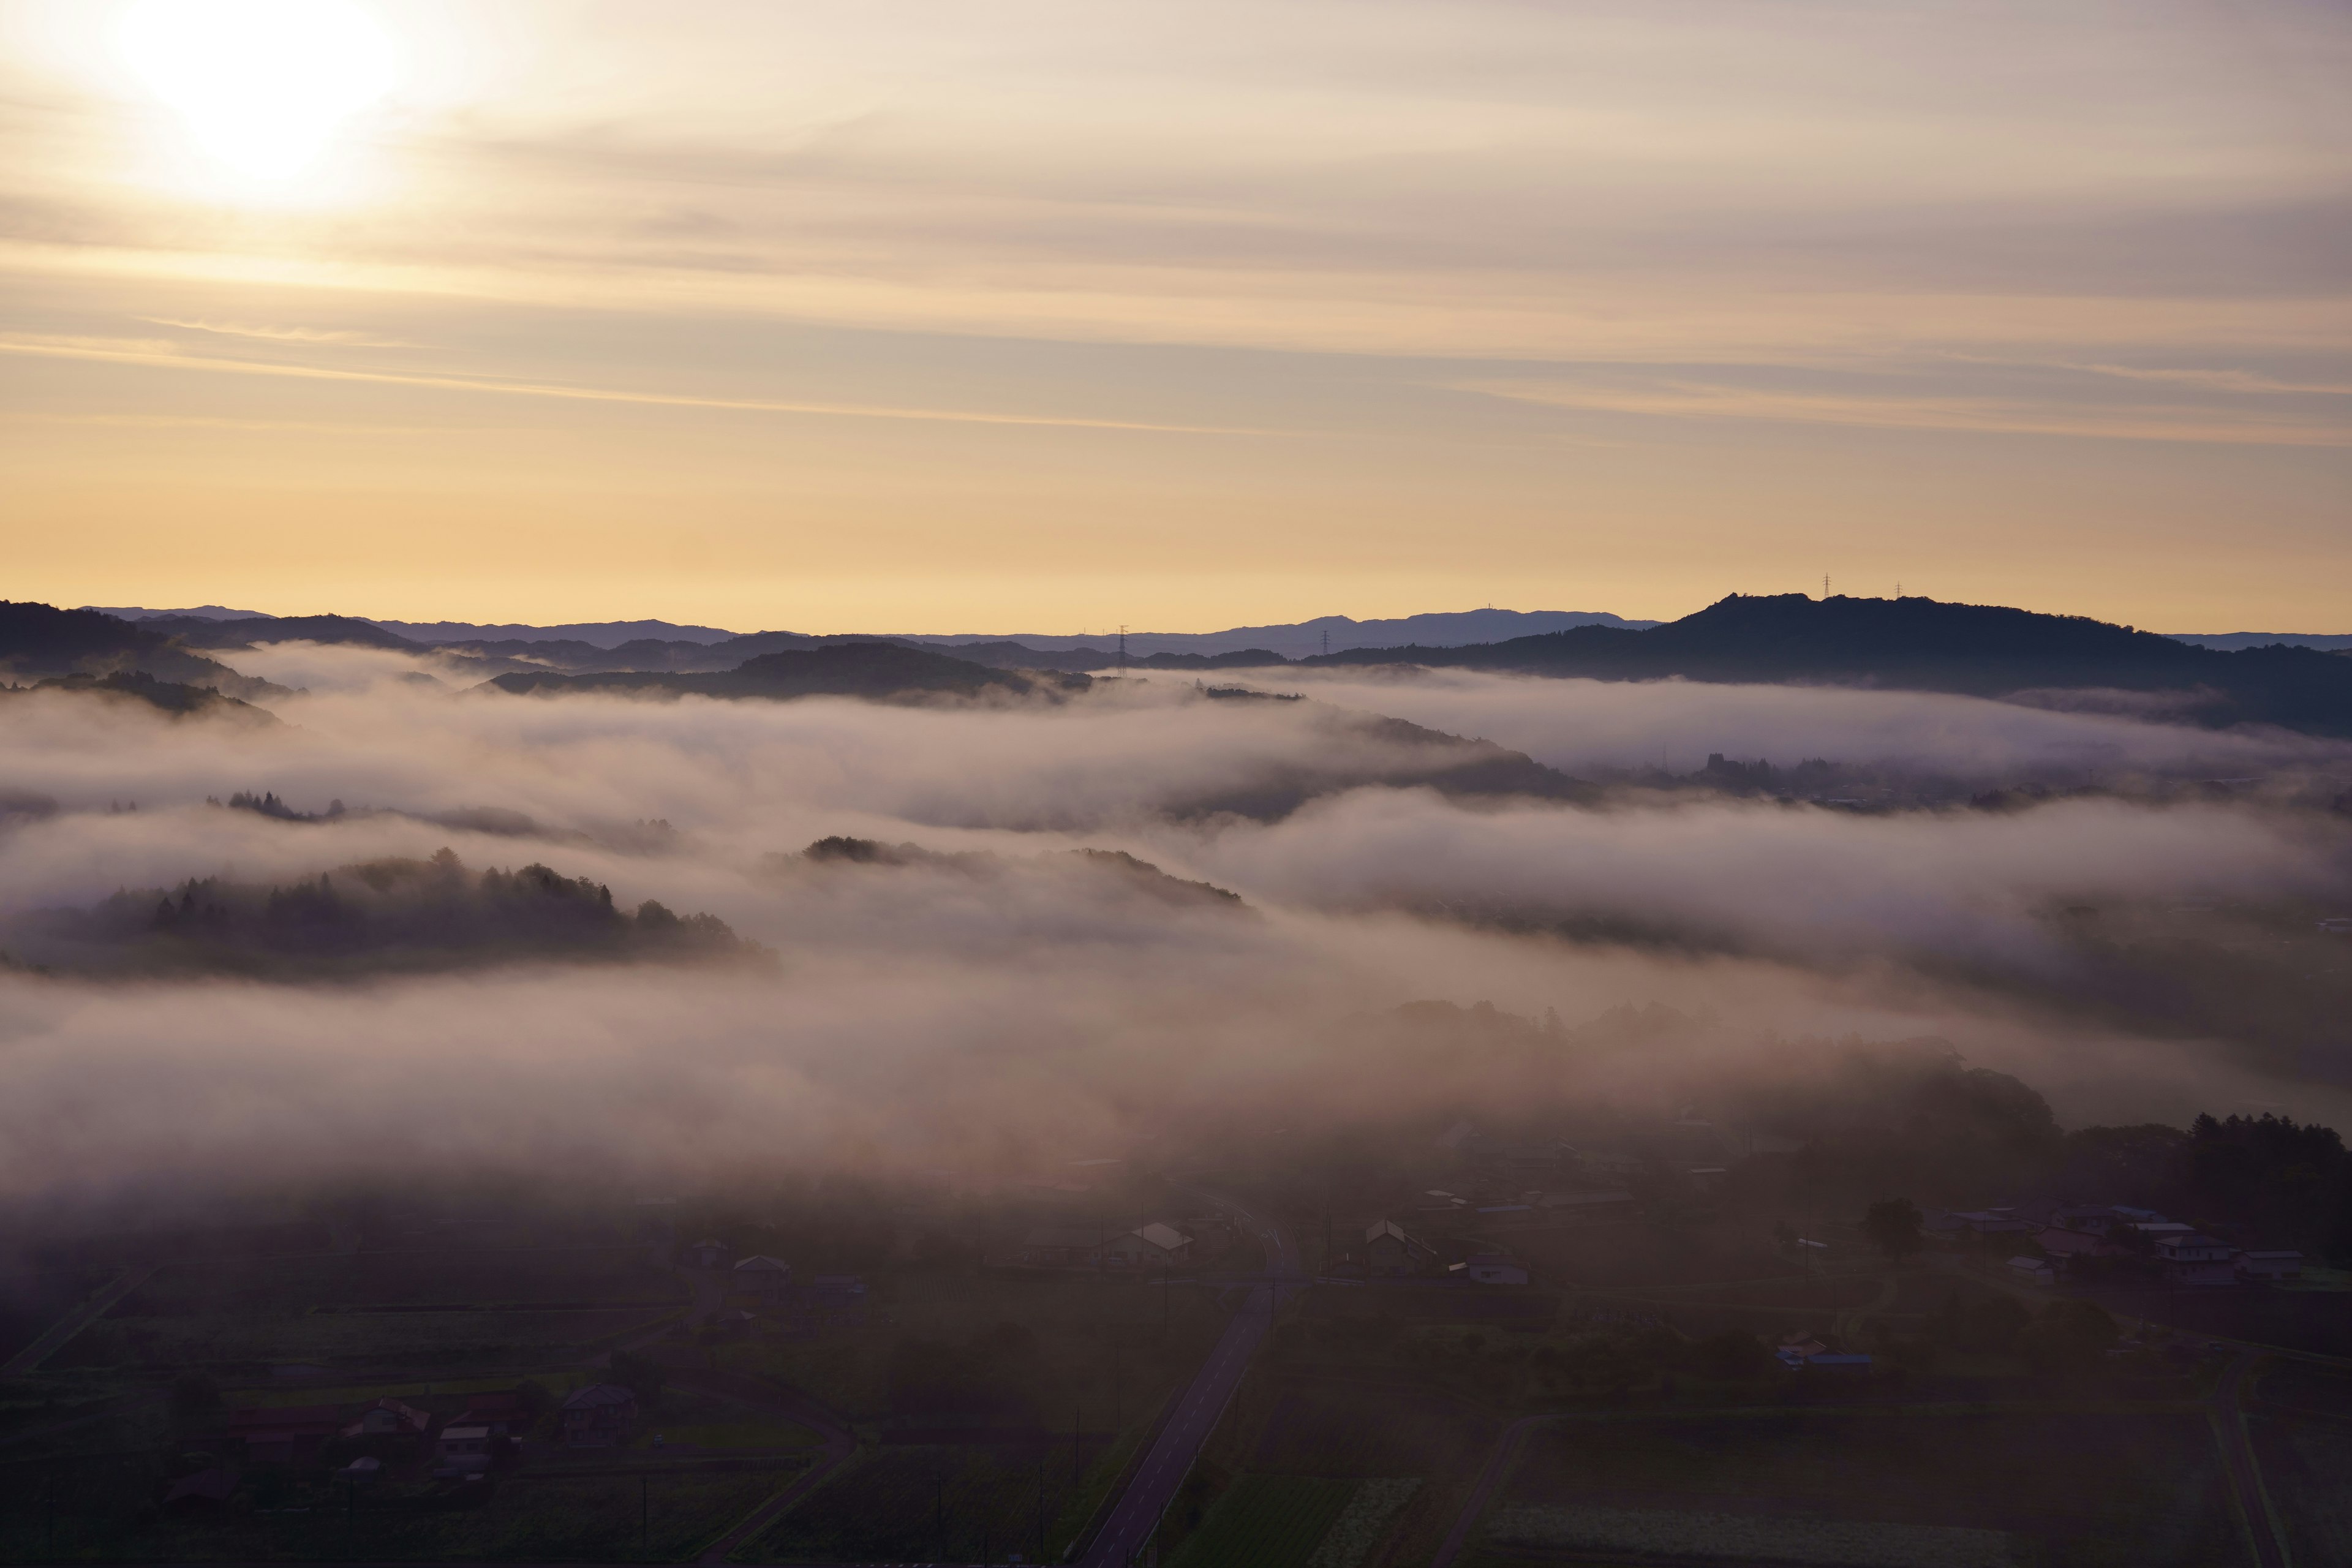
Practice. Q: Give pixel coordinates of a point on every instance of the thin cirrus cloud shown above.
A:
(1666, 229)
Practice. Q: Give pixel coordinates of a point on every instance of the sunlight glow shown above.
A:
(264, 89)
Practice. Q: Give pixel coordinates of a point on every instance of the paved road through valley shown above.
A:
(1203, 1403)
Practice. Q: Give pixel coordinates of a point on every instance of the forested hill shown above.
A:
(42, 640)
(1925, 644)
(872, 670)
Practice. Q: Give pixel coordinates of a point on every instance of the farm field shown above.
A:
(105, 1512)
(928, 1503)
(442, 1338)
(1266, 1522)
(2304, 1442)
(2086, 1490)
(386, 1281)
(1098, 1344)
(1348, 1427)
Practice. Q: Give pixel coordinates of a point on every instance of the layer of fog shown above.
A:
(1581, 725)
(941, 1015)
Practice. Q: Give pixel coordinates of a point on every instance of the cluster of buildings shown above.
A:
(464, 1444)
(833, 1300)
(1388, 1251)
(2068, 1235)
(1158, 1245)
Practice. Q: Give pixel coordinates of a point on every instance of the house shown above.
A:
(601, 1416)
(201, 1492)
(1155, 1244)
(835, 1292)
(1491, 1269)
(2271, 1265)
(2034, 1270)
(286, 1434)
(390, 1418)
(463, 1451)
(769, 1278)
(1799, 1344)
(1585, 1207)
(1061, 1246)
(1993, 1222)
(1388, 1251)
(2135, 1216)
(505, 1414)
(2070, 1244)
(1837, 1365)
(2194, 1259)
(706, 1254)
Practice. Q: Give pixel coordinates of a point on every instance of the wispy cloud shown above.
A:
(308, 335)
(1881, 410)
(164, 356)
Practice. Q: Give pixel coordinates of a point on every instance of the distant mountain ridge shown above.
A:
(1449, 629)
(2231, 642)
(1926, 645)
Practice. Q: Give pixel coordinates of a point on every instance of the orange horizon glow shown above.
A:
(895, 319)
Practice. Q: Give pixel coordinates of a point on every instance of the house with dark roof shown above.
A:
(1156, 1245)
(284, 1434)
(769, 1279)
(601, 1416)
(2194, 1259)
(1062, 1246)
(390, 1418)
(1390, 1251)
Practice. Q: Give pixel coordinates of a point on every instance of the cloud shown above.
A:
(322, 337)
(167, 357)
(993, 1020)
(1581, 725)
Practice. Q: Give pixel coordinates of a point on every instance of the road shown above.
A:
(2238, 1458)
(1498, 1464)
(1203, 1403)
(74, 1322)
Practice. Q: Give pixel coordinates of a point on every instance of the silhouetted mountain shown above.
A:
(1020, 656)
(872, 670)
(394, 914)
(41, 639)
(248, 631)
(1116, 867)
(170, 697)
(1923, 645)
(2231, 642)
(596, 633)
(1296, 639)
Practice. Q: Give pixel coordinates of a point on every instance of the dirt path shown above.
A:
(778, 1399)
(54, 1339)
(2244, 1470)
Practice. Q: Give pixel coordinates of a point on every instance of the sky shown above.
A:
(1051, 317)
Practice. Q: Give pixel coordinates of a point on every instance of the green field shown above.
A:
(2138, 1489)
(106, 1510)
(1266, 1522)
(1100, 1344)
(441, 1339)
(924, 1502)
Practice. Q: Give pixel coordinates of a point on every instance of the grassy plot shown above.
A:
(1100, 1344)
(1836, 1543)
(2122, 1489)
(440, 1338)
(1267, 1521)
(109, 1514)
(1365, 1522)
(928, 1503)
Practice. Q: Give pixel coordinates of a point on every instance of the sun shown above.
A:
(264, 90)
